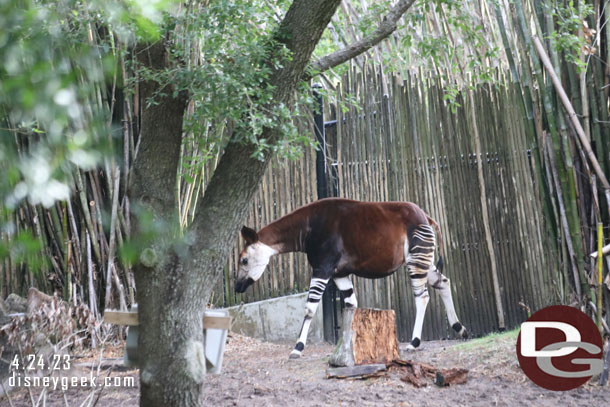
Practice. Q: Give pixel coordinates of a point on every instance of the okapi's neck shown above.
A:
(288, 233)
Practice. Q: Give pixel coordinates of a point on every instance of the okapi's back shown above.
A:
(367, 238)
(367, 213)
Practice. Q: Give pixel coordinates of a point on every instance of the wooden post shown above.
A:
(369, 336)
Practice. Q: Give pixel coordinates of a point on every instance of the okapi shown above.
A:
(343, 237)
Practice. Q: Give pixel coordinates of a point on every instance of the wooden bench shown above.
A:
(216, 324)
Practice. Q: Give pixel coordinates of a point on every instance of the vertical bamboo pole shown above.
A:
(483, 197)
(572, 114)
(562, 213)
(507, 50)
(82, 194)
(600, 243)
(112, 244)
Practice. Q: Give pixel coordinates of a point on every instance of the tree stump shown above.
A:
(369, 336)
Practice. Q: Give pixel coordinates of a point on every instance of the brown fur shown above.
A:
(361, 238)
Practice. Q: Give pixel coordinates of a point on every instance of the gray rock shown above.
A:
(36, 300)
(16, 304)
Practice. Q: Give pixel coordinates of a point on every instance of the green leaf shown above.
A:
(146, 29)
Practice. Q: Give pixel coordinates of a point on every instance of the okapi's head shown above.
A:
(253, 260)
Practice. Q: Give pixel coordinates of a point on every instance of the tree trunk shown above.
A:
(171, 339)
(175, 274)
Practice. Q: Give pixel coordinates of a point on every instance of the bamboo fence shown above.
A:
(505, 175)
(409, 145)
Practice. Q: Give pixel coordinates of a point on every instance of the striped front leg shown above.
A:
(316, 289)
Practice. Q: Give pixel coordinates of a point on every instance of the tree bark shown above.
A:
(369, 336)
(171, 346)
(175, 275)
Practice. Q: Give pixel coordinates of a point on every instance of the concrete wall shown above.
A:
(276, 320)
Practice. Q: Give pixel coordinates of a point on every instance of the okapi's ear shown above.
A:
(249, 235)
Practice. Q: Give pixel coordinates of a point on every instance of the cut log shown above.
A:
(360, 372)
(369, 336)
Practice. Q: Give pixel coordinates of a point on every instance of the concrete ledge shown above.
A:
(276, 320)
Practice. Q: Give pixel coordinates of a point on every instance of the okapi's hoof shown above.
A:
(461, 330)
(413, 345)
(295, 354)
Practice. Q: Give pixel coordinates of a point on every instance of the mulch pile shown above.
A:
(416, 373)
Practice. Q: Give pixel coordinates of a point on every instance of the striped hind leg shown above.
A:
(419, 252)
(439, 282)
(316, 289)
(344, 284)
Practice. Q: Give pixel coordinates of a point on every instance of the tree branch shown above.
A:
(386, 27)
(238, 174)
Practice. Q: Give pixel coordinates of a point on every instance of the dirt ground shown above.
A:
(260, 374)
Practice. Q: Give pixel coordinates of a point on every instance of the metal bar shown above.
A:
(329, 296)
(321, 168)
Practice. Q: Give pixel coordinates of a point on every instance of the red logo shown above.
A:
(559, 348)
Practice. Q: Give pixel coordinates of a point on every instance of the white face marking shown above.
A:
(253, 263)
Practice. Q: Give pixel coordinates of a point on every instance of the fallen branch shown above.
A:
(448, 377)
(605, 251)
(414, 380)
(415, 373)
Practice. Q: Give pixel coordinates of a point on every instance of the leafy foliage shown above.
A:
(54, 110)
(446, 38)
(223, 57)
(570, 20)
(52, 88)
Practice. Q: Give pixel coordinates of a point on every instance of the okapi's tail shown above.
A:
(439, 236)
